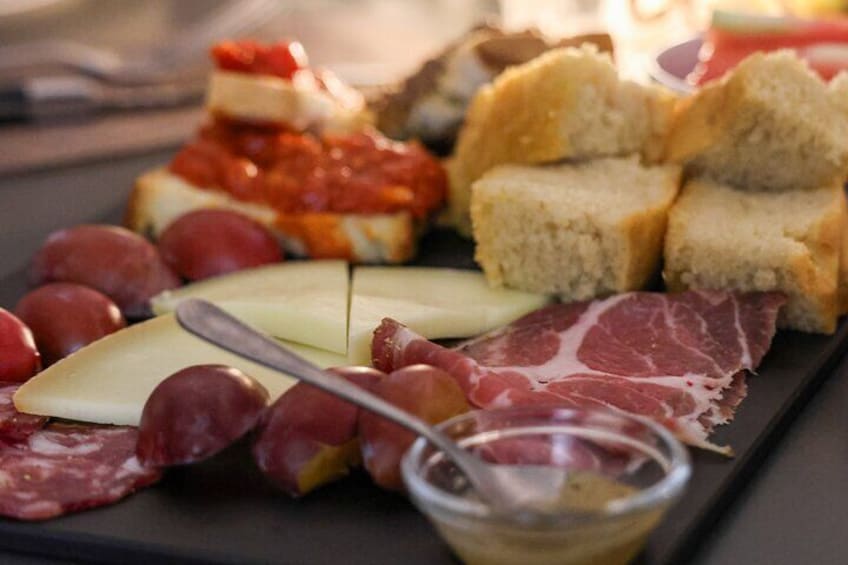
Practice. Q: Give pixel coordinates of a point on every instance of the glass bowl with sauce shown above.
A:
(621, 474)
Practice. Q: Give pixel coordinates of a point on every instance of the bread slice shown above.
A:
(566, 104)
(576, 230)
(300, 103)
(159, 197)
(767, 125)
(723, 238)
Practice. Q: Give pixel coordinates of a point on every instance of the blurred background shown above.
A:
(92, 70)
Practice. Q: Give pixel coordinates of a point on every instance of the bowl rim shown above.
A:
(666, 78)
(659, 494)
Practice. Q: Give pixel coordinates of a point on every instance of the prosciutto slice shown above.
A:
(677, 358)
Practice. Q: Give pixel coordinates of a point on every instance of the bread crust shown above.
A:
(160, 196)
(645, 236)
(842, 290)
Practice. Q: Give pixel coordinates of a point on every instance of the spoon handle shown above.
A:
(212, 324)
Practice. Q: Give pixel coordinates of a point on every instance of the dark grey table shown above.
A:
(794, 511)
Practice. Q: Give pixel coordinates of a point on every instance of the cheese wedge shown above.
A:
(302, 301)
(435, 302)
(109, 380)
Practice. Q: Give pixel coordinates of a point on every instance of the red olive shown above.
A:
(308, 437)
(207, 243)
(197, 412)
(119, 263)
(429, 393)
(65, 317)
(19, 358)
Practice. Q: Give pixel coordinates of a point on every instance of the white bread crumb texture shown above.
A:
(578, 230)
(722, 238)
(770, 124)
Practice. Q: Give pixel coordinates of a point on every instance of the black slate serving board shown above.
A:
(223, 512)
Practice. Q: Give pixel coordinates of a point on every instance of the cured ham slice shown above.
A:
(677, 358)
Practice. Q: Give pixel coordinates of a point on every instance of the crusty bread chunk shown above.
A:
(566, 103)
(159, 197)
(767, 125)
(723, 238)
(577, 230)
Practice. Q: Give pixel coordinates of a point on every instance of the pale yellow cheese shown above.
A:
(109, 381)
(435, 302)
(303, 301)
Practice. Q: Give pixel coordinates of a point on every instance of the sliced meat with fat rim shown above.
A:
(64, 468)
(677, 358)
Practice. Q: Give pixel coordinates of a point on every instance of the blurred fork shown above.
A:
(153, 64)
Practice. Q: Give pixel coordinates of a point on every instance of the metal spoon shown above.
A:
(503, 487)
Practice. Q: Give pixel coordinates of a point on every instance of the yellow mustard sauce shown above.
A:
(602, 541)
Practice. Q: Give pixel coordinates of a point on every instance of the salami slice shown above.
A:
(68, 467)
(15, 426)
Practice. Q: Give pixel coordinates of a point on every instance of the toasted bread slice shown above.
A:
(565, 104)
(577, 230)
(300, 103)
(723, 238)
(159, 197)
(767, 125)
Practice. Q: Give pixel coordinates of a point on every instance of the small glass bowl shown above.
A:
(623, 473)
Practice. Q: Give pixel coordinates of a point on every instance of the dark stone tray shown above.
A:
(222, 511)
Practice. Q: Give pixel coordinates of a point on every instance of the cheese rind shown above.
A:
(109, 380)
(435, 302)
(304, 302)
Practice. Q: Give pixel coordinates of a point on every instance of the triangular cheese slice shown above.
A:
(109, 380)
(435, 302)
(300, 301)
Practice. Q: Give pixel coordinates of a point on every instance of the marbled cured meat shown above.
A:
(677, 358)
(47, 470)
(66, 467)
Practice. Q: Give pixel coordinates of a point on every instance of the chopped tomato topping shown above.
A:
(299, 173)
(281, 59)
